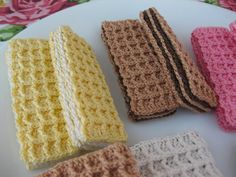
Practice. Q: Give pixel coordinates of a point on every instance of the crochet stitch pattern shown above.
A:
(145, 84)
(41, 128)
(183, 155)
(115, 160)
(156, 75)
(215, 49)
(88, 106)
(192, 88)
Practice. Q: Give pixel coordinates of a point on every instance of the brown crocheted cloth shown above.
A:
(147, 87)
(155, 72)
(192, 88)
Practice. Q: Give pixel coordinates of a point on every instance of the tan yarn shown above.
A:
(146, 85)
(196, 82)
(155, 72)
(113, 161)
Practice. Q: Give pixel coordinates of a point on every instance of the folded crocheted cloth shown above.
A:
(88, 107)
(215, 49)
(41, 128)
(113, 161)
(183, 155)
(144, 83)
(192, 90)
(156, 74)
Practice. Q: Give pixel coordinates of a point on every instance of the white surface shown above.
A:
(85, 19)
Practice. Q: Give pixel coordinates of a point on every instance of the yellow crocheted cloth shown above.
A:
(88, 106)
(41, 128)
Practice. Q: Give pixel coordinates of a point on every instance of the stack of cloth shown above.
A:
(181, 155)
(156, 75)
(215, 49)
(61, 101)
(89, 110)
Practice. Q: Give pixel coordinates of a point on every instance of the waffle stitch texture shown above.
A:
(116, 160)
(196, 93)
(41, 128)
(183, 155)
(88, 106)
(145, 84)
(215, 49)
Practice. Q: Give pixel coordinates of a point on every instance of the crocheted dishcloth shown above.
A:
(113, 161)
(215, 49)
(41, 128)
(88, 106)
(192, 88)
(155, 73)
(146, 86)
(183, 155)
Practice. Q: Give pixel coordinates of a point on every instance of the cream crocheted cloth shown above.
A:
(88, 106)
(41, 128)
(183, 155)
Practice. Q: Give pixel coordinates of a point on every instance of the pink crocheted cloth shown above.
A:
(215, 49)
(229, 4)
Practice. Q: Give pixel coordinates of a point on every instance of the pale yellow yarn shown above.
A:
(85, 96)
(41, 128)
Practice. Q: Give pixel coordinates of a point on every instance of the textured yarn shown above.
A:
(113, 161)
(87, 104)
(41, 128)
(182, 155)
(215, 49)
(145, 84)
